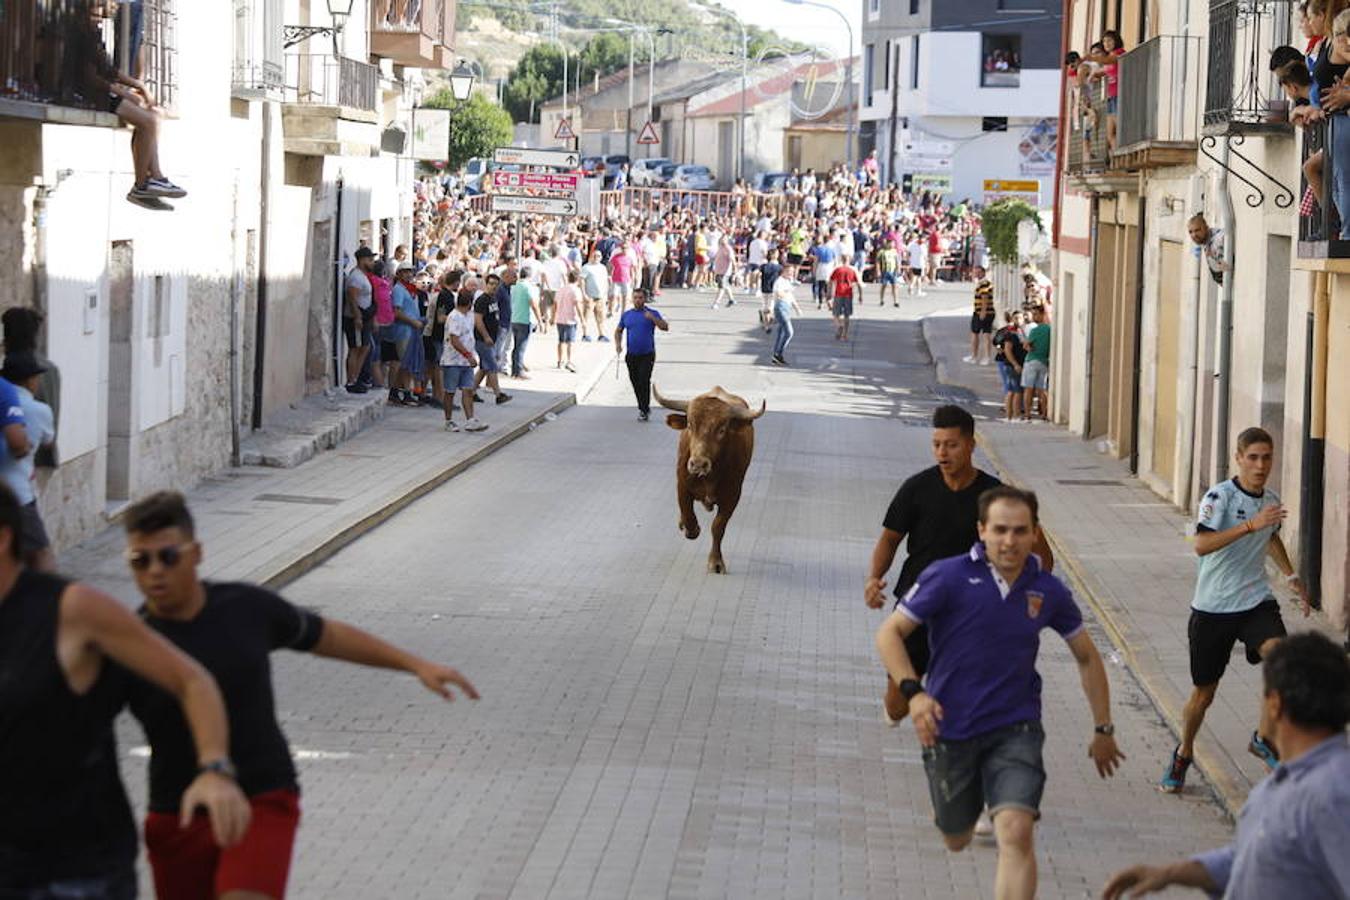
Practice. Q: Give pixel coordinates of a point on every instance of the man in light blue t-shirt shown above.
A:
(1238, 526)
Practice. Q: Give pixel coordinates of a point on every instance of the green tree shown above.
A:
(477, 127)
(535, 79)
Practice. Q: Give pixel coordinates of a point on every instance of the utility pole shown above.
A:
(628, 149)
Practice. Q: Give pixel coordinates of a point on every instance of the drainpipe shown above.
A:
(1091, 315)
(1066, 17)
(339, 373)
(1223, 365)
(260, 332)
(1312, 484)
(1138, 333)
(236, 389)
(1190, 364)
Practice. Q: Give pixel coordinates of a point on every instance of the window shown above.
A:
(159, 50)
(869, 63)
(873, 9)
(258, 66)
(1000, 60)
(994, 123)
(914, 63)
(913, 7)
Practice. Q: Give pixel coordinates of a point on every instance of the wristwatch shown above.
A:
(1107, 729)
(910, 688)
(221, 766)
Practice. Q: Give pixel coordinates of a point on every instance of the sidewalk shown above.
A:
(271, 525)
(1126, 551)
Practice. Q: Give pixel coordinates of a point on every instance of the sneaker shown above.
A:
(775, 361)
(969, 359)
(643, 415)
(569, 367)
(586, 339)
(503, 398)
(782, 361)
(163, 187)
(1262, 750)
(451, 425)
(731, 301)
(146, 200)
(1174, 779)
(478, 398)
(603, 339)
(475, 425)
(984, 825)
(357, 388)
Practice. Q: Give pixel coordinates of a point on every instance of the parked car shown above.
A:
(646, 172)
(593, 166)
(662, 178)
(693, 178)
(612, 163)
(474, 170)
(771, 182)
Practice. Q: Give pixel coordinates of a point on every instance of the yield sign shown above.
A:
(564, 132)
(648, 135)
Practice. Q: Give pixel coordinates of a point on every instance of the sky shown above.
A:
(804, 23)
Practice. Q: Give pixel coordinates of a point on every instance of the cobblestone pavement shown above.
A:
(650, 730)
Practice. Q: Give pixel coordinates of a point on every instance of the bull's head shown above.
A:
(708, 418)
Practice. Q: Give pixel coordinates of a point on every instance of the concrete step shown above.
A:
(316, 423)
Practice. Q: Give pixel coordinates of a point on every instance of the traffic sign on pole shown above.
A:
(564, 132)
(535, 181)
(540, 206)
(563, 159)
(648, 135)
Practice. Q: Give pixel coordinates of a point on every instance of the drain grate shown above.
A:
(297, 498)
(1089, 482)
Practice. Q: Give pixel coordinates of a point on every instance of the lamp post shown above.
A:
(852, 101)
(745, 65)
(650, 35)
(338, 11)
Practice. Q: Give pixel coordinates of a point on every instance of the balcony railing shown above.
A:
(1159, 102)
(1241, 94)
(416, 33)
(1087, 153)
(331, 81)
(1319, 228)
(44, 49)
(258, 68)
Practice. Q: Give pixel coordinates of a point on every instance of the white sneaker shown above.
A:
(451, 425)
(475, 425)
(986, 362)
(969, 359)
(984, 826)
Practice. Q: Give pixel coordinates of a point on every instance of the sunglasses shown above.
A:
(168, 557)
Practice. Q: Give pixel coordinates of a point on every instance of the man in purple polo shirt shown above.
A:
(979, 716)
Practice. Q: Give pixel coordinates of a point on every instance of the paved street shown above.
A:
(648, 729)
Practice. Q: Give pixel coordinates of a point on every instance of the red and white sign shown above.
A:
(535, 181)
(648, 135)
(564, 132)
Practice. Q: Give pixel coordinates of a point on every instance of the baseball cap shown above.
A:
(364, 253)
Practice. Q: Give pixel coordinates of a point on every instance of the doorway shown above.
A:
(726, 145)
(1275, 341)
(1170, 284)
(121, 312)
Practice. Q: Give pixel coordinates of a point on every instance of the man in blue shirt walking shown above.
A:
(1239, 526)
(640, 323)
(1293, 831)
(978, 716)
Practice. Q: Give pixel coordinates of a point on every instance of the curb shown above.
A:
(330, 546)
(1226, 789)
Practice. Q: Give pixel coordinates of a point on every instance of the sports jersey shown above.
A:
(1233, 579)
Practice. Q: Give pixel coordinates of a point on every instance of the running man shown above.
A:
(66, 829)
(979, 716)
(641, 323)
(231, 629)
(937, 511)
(1239, 526)
(769, 273)
(844, 287)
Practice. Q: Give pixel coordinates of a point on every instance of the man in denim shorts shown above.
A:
(979, 715)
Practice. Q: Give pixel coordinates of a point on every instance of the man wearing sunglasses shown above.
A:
(231, 629)
(65, 827)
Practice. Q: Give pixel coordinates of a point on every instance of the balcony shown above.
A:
(330, 106)
(1242, 95)
(1089, 164)
(1319, 231)
(1159, 104)
(46, 56)
(414, 33)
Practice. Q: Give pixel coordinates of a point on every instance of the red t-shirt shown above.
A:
(844, 278)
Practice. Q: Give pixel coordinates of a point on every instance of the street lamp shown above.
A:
(338, 11)
(631, 28)
(852, 101)
(461, 81)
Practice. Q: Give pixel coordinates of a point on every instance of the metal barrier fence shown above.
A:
(649, 204)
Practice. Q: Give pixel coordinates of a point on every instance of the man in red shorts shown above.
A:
(230, 629)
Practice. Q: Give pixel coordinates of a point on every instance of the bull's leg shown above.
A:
(719, 526)
(688, 520)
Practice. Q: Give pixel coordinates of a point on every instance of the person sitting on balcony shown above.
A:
(132, 102)
(1208, 245)
(1112, 49)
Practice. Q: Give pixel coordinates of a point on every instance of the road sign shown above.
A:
(648, 135)
(563, 159)
(564, 132)
(938, 184)
(540, 206)
(535, 181)
(997, 189)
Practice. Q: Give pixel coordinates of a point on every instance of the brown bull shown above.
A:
(717, 439)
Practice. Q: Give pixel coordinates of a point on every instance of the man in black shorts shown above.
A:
(231, 629)
(938, 510)
(982, 321)
(66, 829)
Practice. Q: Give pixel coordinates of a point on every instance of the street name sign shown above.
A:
(535, 181)
(539, 206)
(563, 159)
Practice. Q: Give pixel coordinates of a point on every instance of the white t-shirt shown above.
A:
(918, 254)
(357, 279)
(459, 325)
(595, 279)
(554, 274)
(759, 251)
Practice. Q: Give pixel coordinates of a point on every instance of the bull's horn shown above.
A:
(677, 405)
(748, 414)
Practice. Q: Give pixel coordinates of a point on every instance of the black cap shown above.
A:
(364, 252)
(21, 366)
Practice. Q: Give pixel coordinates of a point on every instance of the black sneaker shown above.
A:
(357, 388)
(143, 198)
(503, 398)
(643, 415)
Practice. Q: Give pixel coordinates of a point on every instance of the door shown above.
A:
(726, 148)
(1274, 345)
(121, 309)
(1166, 350)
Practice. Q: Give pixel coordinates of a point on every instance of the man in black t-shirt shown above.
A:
(938, 511)
(486, 330)
(445, 305)
(231, 630)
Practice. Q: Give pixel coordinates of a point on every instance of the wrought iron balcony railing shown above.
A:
(331, 81)
(1160, 98)
(1319, 220)
(1242, 96)
(1087, 150)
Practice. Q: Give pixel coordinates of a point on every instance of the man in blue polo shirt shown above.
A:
(978, 717)
(640, 323)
